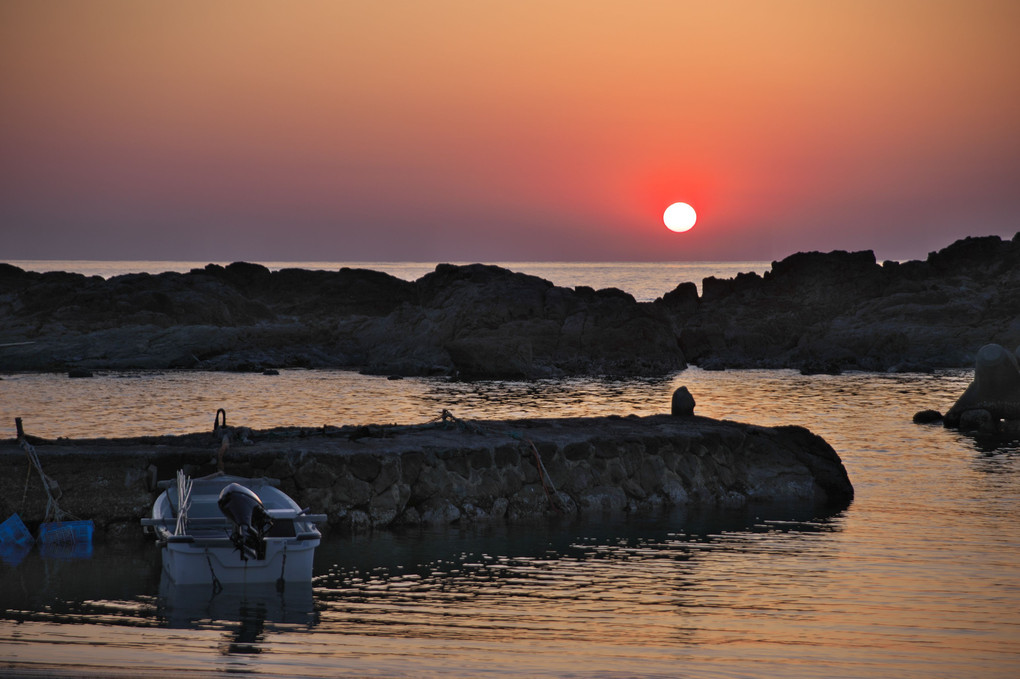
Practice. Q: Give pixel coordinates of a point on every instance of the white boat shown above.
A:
(232, 530)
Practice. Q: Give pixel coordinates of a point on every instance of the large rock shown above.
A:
(471, 321)
(485, 321)
(993, 395)
(843, 310)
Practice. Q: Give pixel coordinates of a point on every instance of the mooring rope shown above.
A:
(53, 510)
(24, 495)
(543, 475)
(447, 416)
(281, 583)
(220, 430)
(217, 587)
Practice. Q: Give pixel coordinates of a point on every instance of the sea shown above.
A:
(918, 577)
(644, 280)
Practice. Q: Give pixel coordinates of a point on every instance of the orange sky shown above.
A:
(490, 131)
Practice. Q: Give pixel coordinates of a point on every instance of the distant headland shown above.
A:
(817, 312)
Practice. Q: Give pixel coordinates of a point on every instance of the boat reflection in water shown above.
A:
(244, 612)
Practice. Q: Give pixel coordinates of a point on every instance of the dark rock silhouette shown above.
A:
(471, 321)
(824, 313)
(817, 312)
(991, 404)
(927, 417)
(682, 403)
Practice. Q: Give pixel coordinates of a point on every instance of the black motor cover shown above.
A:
(251, 521)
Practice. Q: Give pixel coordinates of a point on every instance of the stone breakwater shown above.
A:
(449, 472)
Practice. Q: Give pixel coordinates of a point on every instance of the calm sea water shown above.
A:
(645, 280)
(919, 577)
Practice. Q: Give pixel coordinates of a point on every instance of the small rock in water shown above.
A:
(683, 403)
(821, 368)
(270, 371)
(927, 417)
(79, 372)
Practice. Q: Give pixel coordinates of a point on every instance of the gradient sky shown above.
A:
(500, 131)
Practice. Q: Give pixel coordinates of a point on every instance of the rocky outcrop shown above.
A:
(820, 312)
(468, 321)
(827, 312)
(452, 471)
(483, 321)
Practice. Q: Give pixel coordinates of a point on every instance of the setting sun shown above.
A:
(679, 217)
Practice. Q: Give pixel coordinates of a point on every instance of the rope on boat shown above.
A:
(217, 586)
(281, 583)
(184, 485)
(543, 475)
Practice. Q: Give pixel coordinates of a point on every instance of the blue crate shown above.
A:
(66, 532)
(13, 553)
(13, 532)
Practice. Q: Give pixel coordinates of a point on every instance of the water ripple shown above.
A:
(918, 578)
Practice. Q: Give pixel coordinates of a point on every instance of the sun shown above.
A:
(679, 217)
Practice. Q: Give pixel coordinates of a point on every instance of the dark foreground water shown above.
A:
(920, 577)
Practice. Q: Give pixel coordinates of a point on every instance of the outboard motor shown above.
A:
(251, 520)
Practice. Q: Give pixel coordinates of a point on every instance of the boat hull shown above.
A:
(193, 563)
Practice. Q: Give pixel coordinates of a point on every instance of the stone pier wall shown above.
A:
(378, 477)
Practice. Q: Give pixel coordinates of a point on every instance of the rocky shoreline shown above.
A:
(448, 471)
(817, 312)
